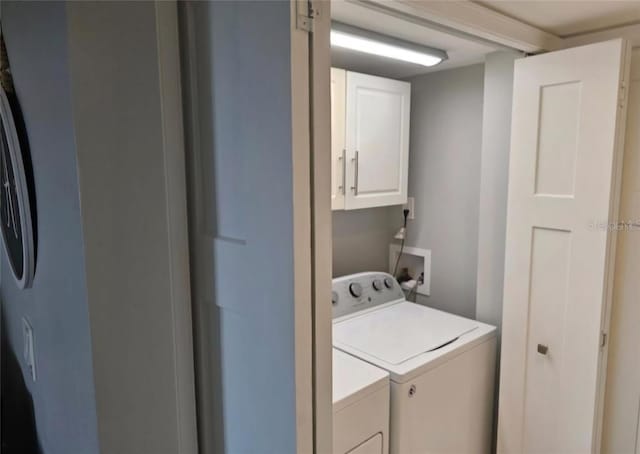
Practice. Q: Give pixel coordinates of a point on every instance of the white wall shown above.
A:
(444, 178)
(494, 178)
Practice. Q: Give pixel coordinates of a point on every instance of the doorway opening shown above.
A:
(420, 171)
(418, 125)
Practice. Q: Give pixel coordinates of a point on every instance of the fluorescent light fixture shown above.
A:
(367, 46)
(365, 41)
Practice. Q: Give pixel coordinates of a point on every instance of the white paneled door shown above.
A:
(568, 112)
(377, 141)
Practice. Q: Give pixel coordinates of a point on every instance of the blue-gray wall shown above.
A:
(238, 68)
(492, 226)
(126, 104)
(56, 306)
(444, 178)
(361, 238)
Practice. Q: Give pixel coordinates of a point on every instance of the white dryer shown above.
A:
(441, 365)
(360, 406)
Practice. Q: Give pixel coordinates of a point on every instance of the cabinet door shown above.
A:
(377, 131)
(564, 174)
(338, 101)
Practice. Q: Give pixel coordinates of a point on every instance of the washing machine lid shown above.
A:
(397, 333)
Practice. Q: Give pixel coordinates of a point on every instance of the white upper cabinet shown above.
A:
(338, 150)
(375, 139)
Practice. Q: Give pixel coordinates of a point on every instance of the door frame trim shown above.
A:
(321, 215)
(302, 202)
(177, 229)
(610, 260)
(311, 143)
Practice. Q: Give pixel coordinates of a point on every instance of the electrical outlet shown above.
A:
(29, 348)
(411, 206)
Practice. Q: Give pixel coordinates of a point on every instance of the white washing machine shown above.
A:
(360, 406)
(441, 365)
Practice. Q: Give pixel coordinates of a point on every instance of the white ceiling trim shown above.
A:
(629, 32)
(476, 20)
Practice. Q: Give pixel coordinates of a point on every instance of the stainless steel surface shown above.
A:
(354, 188)
(344, 171)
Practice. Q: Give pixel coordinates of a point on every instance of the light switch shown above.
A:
(29, 348)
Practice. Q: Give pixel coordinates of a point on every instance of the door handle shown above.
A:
(543, 349)
(355, 176)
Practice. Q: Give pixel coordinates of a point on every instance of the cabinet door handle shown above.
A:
(355, 176)
(543, 349)
(344, 171)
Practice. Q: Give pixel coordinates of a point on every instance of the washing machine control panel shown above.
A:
(357, 292)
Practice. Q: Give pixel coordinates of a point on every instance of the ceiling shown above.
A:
(461, 51)
(563, 18)
(569, 17)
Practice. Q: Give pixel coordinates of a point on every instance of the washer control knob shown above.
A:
(388, 282)
(334, 298)
(377, 285)
(355, 289)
